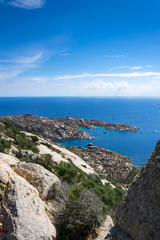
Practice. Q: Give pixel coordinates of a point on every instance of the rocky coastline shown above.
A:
(40, 180)
(110, 164)
(61, 128)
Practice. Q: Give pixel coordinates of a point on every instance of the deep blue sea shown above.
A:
(139, 112)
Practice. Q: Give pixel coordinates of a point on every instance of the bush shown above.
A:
(67, 172)
(11, 130)
(46, 161)
(109, 196)
(80, 216)
(25, 143)
(34, 138)
(4, 145)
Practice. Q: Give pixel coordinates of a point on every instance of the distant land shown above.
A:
(61, 128)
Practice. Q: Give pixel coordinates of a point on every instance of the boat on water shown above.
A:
(89, 144)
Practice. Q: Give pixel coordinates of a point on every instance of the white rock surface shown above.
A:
(9, 159)
(24, 213)
(104, 229)
(39, 177)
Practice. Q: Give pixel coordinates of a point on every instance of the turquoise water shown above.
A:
(139, 112)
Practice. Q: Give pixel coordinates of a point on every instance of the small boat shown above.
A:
(105, 131)
(112, 133)
(89, 144)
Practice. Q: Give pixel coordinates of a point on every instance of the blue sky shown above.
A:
(79, 48)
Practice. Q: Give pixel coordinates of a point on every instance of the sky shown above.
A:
(80, 48)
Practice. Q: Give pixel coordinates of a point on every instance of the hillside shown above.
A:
(40, 180)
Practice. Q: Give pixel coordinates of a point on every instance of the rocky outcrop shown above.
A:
(86, 123)
(9, 159)
(45, 127)
(24, 215)
(43, 180)
(61, 128)
(138, 214)
(110, 164)
(104, 229)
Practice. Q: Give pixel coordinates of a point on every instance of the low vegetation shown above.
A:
(87, 204)
(4, 145)
(85, 200)
(20, 139)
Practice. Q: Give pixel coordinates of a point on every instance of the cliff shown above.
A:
(138, 215)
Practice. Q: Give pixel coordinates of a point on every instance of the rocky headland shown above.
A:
(61, 128)
(110, 164)
(52, 192)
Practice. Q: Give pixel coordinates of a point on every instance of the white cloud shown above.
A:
(136, 67)
(122, 88)
(132, 67)
(12, 68)
(24, 60)
(124, 75)
(27, 4)
(64, 54)
(115, 56)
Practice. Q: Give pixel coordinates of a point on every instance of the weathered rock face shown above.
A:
(43, 180)
(24, 213)
(104, 229)
(106, 162)
(60, 128)
(9, 159)
(139, 212)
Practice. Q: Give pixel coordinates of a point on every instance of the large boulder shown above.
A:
(139, 213)
(104, 229)
(9, 159)
(43, 180)
(23, 210)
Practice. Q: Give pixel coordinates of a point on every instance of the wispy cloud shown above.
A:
(132, 67)
(122, 88)
(115, 56)
(12, 68)
(27, 4)
(124, 75)
(64, 54)
(136, 67)
(24, 59)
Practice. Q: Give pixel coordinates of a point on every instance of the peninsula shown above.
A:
(61, 128)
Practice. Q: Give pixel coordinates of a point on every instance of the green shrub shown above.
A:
(34, 138)
(109, 196)
(75, 192)
(4, 145)
(11, 130)
(67, 172)
(46, 161)
(80, 216)
(23, 142)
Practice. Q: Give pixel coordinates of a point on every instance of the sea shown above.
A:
(143, 113)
